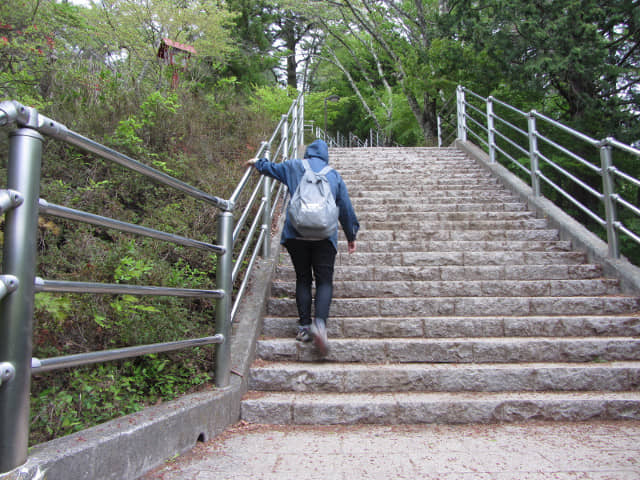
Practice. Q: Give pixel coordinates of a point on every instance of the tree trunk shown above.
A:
(291, 42)
(426, 116)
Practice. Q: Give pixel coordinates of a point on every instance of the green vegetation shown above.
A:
(393, 65)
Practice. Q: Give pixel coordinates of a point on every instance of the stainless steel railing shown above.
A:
(351, 140)
(21, 205)
(536, 145)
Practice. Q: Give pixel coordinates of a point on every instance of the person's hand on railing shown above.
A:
(351, 246)
(251, 162)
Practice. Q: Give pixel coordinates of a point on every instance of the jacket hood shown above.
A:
(318, 149)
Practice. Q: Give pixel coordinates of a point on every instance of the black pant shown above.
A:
(312, 259)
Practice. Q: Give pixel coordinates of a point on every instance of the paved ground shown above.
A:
(531, 451)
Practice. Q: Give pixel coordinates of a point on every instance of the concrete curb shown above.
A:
(127, 447)
(581, 238)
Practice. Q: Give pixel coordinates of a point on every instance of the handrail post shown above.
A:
(266, 214)
(16, 308)
(224, 272)
(608, 190)
(294, 130)
(533, 154)
(462, 119)
(301, 120)
(491, 131)
(285, 137)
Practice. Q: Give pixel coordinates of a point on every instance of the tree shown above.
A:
(130, 32)
(254, 62)
(582, 56)
(34, 36)
(371, 71)
(291, 29)
(398, 37)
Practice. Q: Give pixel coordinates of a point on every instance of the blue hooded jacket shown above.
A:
(291, 171)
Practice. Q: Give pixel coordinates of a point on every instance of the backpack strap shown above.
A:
(324, 171)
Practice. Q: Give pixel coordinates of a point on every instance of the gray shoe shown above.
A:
(304, 334)
(319, 334)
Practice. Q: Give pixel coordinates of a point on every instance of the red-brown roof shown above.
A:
(179, 46)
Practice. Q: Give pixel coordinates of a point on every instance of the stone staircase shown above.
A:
(459, 306)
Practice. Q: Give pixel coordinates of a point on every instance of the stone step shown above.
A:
(461, 258)
(372, 246)
(445, 408)
(364, 199)
(449, 273)
(327, 377)
(415, 176)
(404, 163)
(456, 350)
(371, 207)
(452, 327)
(411, 217)
(391, 175)
(461, 288)
(428, 226)
(461, 195)
(407, 168)
(360, 160)
(386, 180)
(388, 235)
(417, 187)
(466, 306)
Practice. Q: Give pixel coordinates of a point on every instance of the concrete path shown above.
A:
(532, 451)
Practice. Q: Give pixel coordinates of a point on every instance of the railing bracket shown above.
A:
(7, 372)
(9, 199)
(8, 284)
(8, 112)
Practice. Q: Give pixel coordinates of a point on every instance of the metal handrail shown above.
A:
(47, 208)
(21, 204)
(50, 364)
(490, 134)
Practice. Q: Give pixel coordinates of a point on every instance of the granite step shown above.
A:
(467, 306)
(372, 246)
(477, 326)
(411, 237)
(430, 217)
(288, 408)
(456, 350)
(420, 181)
(427, 225)
(453, 272)
(461, 288)
(404, 235)
(462, 258)
(461, 195)
(325, 377)
(374, 207)
(433, 188)
(460, 198)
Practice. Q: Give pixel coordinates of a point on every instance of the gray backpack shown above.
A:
(313, 211)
